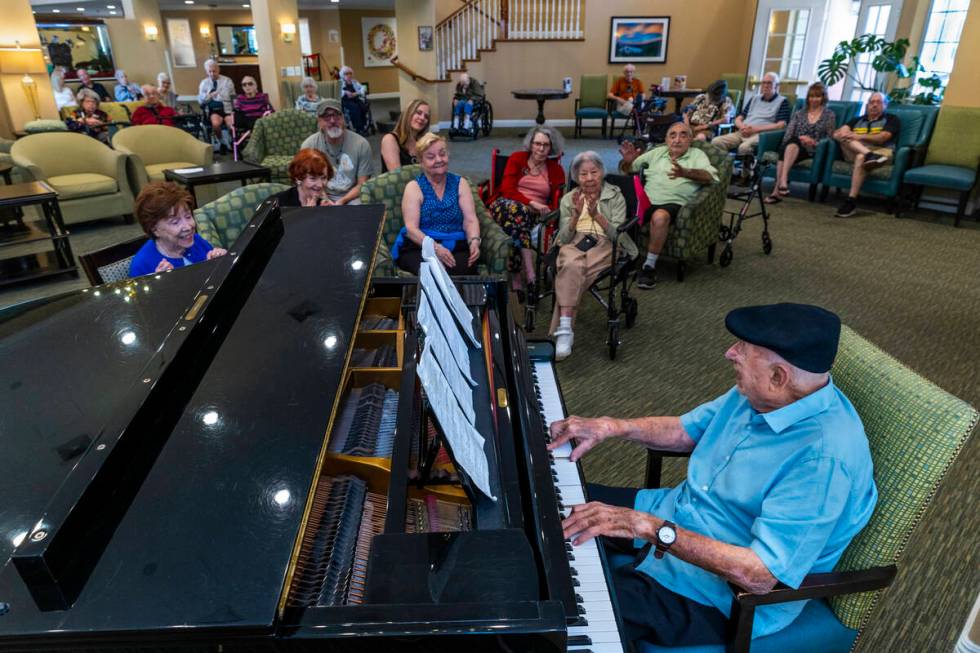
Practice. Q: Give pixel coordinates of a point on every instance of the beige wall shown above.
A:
(269, 16)
(382, 79)
(964, 82)
(186, 80)
(706, 38)
(321, 22)
(411, 14)
(18, 25)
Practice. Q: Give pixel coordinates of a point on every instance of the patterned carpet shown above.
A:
(909, 285)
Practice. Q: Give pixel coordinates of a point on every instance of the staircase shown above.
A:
(478, 25)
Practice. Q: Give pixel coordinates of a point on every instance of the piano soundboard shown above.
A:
(261, 470)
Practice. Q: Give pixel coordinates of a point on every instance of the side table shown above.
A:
(18, 267)
(216, 173)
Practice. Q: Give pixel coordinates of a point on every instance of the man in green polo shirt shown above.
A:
(674, 174)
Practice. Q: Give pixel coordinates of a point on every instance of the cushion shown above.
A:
(844, 168)
(591, 112)
(82, 184)
(155, 171)
(40, 126)
(278, 164)
(942, 176)
(952, 144)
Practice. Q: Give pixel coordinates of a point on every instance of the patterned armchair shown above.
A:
(221, 221)
(916, 128)
(811, 170)
(915, 430)
(276, 139)
(388, 188)
(695, 232)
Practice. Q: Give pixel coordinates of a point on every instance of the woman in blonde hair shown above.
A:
(398, 145)
(438, 205)
(63, 96)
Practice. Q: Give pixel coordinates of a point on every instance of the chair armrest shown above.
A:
(832, 154)
(199, 152)
(629, 224)
(35, 170)
(918, 156)
(814, 586)
(655, 462)
(770, 141)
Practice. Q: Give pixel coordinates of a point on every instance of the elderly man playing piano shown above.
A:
(779, 482)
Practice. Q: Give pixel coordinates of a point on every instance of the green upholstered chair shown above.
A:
(89, 177)
(809, 171)
(276, 139)
(591, 102)
(915, 430)
(292, 90)
(736, 82)
(917, 122)
(220, 222)
(155, 148)
(695, 231)
(388, 188)
(952, 161)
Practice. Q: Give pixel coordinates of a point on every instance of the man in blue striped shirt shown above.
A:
(778, 484)
(765, 112)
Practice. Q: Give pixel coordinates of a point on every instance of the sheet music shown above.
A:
(460, 385)
(433, 315)
(433, 274)
(464, 440)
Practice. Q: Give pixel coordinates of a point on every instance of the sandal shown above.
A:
(773, 199)
(783, 191)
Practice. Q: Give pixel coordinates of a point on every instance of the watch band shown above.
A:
(662, 546)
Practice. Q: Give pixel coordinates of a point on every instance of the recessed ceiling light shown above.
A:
(113, 13)
(110, 6)
(55, 11)
(80, 8)
(246, 6)
(188, 2)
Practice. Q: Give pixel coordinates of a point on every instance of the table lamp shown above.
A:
(18, 60)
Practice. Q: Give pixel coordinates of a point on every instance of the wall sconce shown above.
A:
(18, 60)
(205, 31)
(288, 32)
(151, 32)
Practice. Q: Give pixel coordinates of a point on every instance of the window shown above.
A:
(304, 37)
(942, 35)
(875, 22)
(785, 41)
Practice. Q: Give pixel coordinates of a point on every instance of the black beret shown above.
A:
(804, 335)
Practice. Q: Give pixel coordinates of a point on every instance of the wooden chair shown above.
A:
(110, 263)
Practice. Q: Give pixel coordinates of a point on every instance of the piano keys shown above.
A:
(193, 466)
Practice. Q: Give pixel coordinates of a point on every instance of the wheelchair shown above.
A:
(369, 125)
(612, 287)
(207, 134)
(727, 233)
(481, 121)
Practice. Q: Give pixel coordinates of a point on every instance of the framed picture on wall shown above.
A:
(638, 39)
(181, 45)
(379, 41)
(425, 38)
(74, 45)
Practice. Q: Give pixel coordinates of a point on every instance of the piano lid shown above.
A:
(207, 538)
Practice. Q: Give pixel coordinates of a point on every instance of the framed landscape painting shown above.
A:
(638, 39)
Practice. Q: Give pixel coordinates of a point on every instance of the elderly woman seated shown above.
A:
(252, 104)
(353, 97)
(526, 191)
(590, 215)
(166, 91)
(163, 209)
(309, 100)
(125, 90)
(398, 145)
(709, 110)
(310, 170)
(88, 118)
(63, 96)
(438, 205)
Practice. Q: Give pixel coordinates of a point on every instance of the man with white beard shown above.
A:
(349, 154)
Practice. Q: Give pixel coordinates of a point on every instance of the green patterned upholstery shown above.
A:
(276, 139)
(221, 221)
(697, 224)
(42, 126)
(388, 188)
(915, 430)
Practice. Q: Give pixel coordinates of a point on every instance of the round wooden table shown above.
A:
(680, 95)
(542, 95)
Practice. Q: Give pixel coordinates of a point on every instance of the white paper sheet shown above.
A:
(434, 274)
(466, 443)
(187, 171)
(433, 314)
(461, 386)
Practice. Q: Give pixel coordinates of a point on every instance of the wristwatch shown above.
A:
(666, 536)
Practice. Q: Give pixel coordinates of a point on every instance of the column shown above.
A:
(279, 54)
(18, 26)
(135, 47)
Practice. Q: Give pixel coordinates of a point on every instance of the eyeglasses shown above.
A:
(540, 144)
(248, 83)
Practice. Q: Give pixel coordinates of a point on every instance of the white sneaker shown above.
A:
(467, 123)
(563, 343)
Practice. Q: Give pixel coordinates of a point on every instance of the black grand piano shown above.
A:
(238, 456)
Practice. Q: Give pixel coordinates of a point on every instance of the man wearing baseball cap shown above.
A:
(778, 484)
(349, 153)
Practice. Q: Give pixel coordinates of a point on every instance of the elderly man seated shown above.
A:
(778, 484)
(867, 141)
(765, 112)
(674, 174)
(349, 154)
(153, 111)
(626, 90)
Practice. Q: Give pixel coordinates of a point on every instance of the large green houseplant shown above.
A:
(886, 57)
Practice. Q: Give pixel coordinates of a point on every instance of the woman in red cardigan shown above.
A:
(528, 190)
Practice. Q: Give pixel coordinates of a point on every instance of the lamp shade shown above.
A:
(14, 61)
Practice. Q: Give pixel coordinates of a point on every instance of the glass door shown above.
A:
(878, 17)
(785, 40)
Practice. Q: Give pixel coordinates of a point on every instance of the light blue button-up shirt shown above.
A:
(794, 484)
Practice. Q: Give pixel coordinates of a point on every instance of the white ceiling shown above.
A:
(101, 8)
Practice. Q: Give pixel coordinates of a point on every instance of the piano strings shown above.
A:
(434, 515)
(367, 422)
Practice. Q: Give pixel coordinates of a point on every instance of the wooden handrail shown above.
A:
(411, 73)
(466, 5)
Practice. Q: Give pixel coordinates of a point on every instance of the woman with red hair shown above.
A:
(310, 170)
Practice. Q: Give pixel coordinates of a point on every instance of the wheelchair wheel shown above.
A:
(724, 232)
(726, 257)
(613, 340)
(630, 306)
(487, 122)
(766, 243)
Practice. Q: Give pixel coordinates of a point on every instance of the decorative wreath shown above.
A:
(386, 48)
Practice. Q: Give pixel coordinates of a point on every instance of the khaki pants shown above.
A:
(729, 142)
(882, 151)
(577, 270)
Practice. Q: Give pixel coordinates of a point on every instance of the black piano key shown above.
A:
(579, 640)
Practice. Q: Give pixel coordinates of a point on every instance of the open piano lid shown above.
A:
(185, 520)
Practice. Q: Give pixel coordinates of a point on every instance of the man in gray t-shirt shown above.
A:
(349, 154)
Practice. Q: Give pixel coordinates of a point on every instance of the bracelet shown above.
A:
(470, 240)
